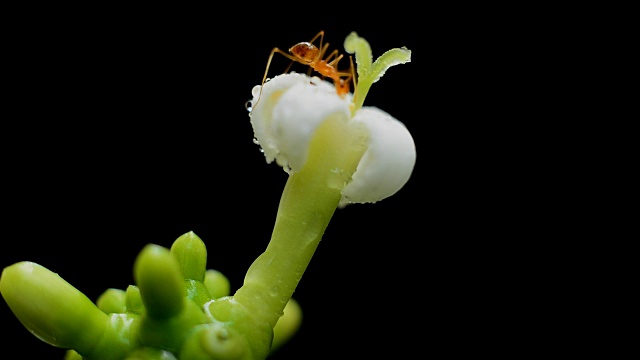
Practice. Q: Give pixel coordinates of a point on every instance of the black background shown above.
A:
(127, 126)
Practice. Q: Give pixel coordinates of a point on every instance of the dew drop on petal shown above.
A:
(248, 105)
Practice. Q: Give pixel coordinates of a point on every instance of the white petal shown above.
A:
(262, 109)
(291, 108)
(388, 162)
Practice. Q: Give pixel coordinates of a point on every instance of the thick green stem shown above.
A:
(308, 202)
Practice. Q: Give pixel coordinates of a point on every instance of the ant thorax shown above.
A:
(305, 51)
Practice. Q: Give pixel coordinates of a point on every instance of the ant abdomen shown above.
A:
(305, 52)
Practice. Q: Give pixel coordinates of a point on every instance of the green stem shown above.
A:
(308, 202)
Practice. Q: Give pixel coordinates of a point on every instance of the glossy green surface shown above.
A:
(169, 314)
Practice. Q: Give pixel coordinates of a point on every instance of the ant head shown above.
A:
(343, 87)
(305, 52)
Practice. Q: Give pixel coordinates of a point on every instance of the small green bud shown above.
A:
(112, 301)
(158, 275)
(51, 308)
(287, 325)
(134, 300)
(72, 355)
(191, 253)
(217, 284)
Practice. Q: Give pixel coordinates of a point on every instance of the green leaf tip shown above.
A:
(368, 72)
(354, 44)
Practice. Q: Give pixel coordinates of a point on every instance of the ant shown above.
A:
(307, 53)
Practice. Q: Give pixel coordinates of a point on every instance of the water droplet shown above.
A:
(255, 141)
(248, 105)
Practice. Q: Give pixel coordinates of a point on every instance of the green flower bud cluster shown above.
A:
(178, 309)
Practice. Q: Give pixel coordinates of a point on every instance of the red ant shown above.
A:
(307, 53)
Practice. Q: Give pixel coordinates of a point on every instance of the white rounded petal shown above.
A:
(289, 111)
(290, 108)
(264, 99)
(388, 162)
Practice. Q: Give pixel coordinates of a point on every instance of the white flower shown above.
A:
(289, 108)
(388, 162)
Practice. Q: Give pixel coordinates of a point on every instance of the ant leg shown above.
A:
(323, 50)
(344, 77)
(353, 74)
(353, 78)
(334, 62)
(349, 73)
(266, 71)
(323, 47)
(289, 67)
(273, 52)
(321, 35)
